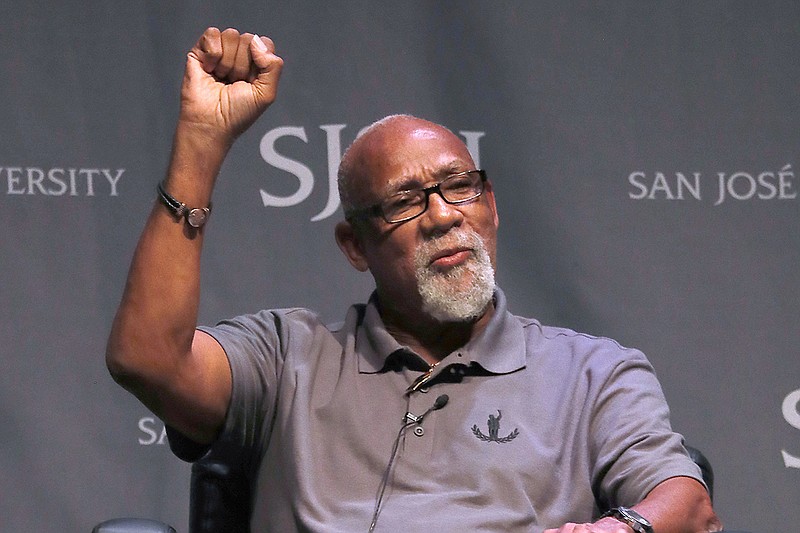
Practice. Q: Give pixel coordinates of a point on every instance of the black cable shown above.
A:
(410, 420)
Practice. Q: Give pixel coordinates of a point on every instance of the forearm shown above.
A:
(157, 316)
(677, 505)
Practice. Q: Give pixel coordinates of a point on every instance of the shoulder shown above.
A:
(269, 320)
(565, 345)
(277, 329)
(265, 331)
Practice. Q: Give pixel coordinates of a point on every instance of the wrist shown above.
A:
(635, 522)
(194, 164)
(196, 217)
(200, 145)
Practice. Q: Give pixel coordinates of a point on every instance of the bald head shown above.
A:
(386, 143)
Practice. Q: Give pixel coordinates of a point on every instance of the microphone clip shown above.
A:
(411, 418)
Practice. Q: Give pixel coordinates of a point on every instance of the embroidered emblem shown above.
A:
(494, 430)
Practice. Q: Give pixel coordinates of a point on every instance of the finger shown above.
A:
(267, 42)
(262, 52)
(208, 49)
(230, 45)
(242, 62)
(258, 46)
(268, 68)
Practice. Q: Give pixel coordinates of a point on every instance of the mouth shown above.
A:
(450, 257)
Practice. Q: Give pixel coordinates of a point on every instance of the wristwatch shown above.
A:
(634, 520)
(195, 216)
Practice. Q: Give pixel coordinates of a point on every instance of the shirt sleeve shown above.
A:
(633, 442)
(253, 345)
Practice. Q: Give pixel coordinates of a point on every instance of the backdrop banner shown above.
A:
(644, 157)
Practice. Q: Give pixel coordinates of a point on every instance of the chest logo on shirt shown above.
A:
(494, 430)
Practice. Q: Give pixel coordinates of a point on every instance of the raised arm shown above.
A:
(154, 350)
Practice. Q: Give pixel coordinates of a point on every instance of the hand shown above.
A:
(604, 525)
(230, 79)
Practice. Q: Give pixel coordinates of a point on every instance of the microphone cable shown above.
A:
(410, 420)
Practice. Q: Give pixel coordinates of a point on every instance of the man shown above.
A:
(430, 407)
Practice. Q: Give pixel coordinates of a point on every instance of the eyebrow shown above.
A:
(405, 183)
(413, 181)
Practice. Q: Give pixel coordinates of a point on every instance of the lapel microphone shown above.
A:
(440, 402)
(408, 420)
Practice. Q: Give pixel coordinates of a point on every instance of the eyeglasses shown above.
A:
(403, 206)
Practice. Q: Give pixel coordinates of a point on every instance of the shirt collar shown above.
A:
(498, 349)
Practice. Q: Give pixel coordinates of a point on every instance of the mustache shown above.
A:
(452, 239)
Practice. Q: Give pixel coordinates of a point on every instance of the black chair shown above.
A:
(219, 493)
(220, 498)
(705, 468)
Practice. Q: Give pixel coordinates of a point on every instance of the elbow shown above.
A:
(129, 360)
(681, 504)
(706, 520)
(139, 362)
(120, 366)
(713, 523)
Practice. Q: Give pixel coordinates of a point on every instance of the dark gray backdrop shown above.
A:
(606, 127)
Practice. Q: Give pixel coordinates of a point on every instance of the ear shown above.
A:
(350, 244)
(489, 192)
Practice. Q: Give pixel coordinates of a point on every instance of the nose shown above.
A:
(440, 216)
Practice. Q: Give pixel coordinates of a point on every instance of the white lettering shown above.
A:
(472, 138)
(660, 184)
(765, 184)
(295, 168)
(14, 179)
(145, 427)
(791, 413)
(334, 142)
(90, 174)
(743, 186)
(633, 179)
(749, 184)
(73, 187)
(693, 188)
(785, 177)
(55, 176)
(35, 177)
(150, 427)
(721, 198)
(112, 180)
(682, 186)
(58, 181)
(334, 156)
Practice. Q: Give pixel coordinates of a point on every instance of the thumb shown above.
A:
(268, 69)
(195, 69)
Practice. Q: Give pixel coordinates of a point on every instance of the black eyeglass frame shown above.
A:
(376, 210)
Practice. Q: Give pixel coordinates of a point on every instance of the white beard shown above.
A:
(463, 292)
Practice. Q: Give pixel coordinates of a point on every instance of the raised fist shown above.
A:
(230, 79)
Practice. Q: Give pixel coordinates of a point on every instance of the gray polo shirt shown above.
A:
(543, 425)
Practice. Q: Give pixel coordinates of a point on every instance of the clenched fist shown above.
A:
(230, 79)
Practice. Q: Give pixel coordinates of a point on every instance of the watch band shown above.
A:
(631, 518)
(196, 217)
